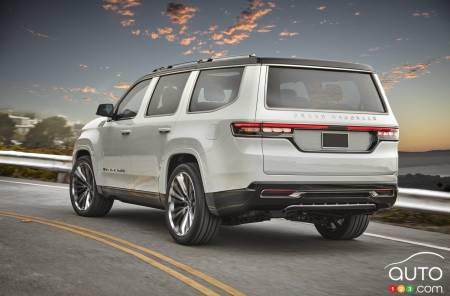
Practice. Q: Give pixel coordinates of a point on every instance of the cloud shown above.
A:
(425, 14)
(179, 13)
(86, 90)
(136, 32)
(376, 48)
(188, 52)
(122, 85)
(121, 7)
(217, 36)
(165, 30)
(357, 13)
(111, 96)
(83, 66)
(127, 23)
(321, 8)
(287, 34)
(407, 71)
(233, 39)
(247, 23)
(187, 41)
(265, 29)
(171, 37)
(154, 35)
(37, 34)
(213, 53)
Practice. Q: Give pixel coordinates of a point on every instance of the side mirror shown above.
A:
(106, 110)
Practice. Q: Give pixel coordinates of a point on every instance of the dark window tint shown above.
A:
(167, 95)
(295, 88)
(215, 88)
(129, 106)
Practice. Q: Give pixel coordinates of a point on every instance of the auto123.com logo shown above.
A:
(409, 277)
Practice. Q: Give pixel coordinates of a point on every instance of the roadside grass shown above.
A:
(414, 219)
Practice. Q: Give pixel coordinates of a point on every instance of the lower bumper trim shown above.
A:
(321, 207)
(262, 196)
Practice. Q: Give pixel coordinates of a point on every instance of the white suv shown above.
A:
(244, 139)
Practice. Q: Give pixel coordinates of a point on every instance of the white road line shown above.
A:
(34, 184)
(407, 241)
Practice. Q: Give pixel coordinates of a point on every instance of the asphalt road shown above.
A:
(131, 253)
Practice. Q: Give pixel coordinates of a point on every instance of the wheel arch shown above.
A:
(176, 159)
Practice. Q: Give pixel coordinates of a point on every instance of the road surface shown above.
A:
(45, 249)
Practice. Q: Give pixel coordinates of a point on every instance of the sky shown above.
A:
(65, 57)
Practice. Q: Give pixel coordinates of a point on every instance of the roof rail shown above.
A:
(203, 61)
(234, 57)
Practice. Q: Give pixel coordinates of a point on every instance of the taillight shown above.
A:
(389, 135)
(383, 133)
(246, 129)
(269, 129)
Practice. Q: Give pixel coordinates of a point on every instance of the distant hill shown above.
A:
(435, 162)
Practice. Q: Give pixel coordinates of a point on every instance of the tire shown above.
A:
(189, 204)
(345, 228)
(93, 204)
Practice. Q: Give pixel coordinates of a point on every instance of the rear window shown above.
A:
(215, 88)
(167, 94)
(295, 88)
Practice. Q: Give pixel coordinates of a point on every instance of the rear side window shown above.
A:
(215, 88)
(167, 94)
(295, 88)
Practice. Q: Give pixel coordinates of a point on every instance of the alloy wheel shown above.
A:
(83, 186)
(181, 202)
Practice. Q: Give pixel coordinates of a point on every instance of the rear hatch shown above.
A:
(325, 122)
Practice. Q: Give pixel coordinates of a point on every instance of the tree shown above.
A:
(46, 132)
(6, 128)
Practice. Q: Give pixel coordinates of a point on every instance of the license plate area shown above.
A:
(334, 140)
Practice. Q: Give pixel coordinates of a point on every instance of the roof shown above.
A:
(252, 59)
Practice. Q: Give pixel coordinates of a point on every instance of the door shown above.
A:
(118, 139)
(154, 131)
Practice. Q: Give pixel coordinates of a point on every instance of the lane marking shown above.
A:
(407, 241)
(35, 184)
(230, 290)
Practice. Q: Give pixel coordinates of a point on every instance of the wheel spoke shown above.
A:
(79, 173)
(182, 183)
(184, 223)
(82, 198)
(87, 202)
(178, 212)
(177, 196)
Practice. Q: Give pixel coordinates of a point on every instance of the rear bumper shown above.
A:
(263, 196)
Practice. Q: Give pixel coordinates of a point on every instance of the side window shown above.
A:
(129, 106)
(167, 94)
(215, 88)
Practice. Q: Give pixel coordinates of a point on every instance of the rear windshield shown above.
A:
(295, 88)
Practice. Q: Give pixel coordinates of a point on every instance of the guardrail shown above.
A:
(408, 198)
(423, 200)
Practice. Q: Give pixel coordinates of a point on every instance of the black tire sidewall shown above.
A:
(348, 230)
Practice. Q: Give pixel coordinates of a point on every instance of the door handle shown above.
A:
(125, 132)
(164, 130)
